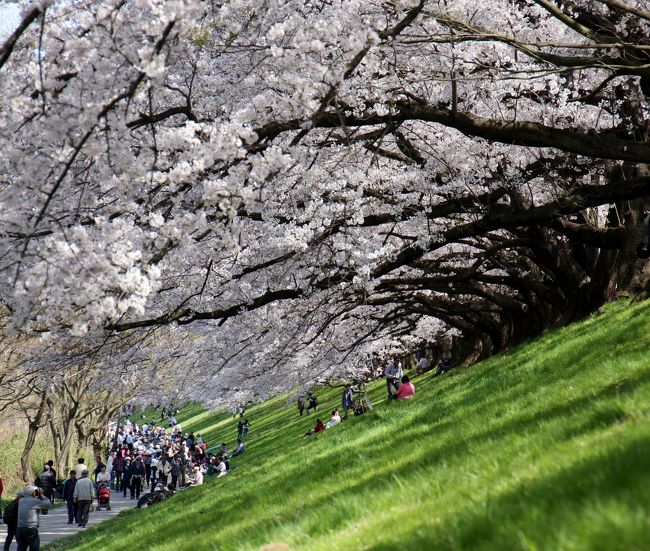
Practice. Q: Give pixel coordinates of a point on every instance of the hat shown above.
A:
(138, 458)
(148, 452)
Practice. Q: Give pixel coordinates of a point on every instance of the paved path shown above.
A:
(55, 525)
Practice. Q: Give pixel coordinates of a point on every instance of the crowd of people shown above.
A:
(148, 456)
(162, 461)
(398, 385)
(145, 462)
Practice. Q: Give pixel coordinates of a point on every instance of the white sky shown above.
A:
(9, 17)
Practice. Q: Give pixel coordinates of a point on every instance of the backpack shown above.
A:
(10, 515)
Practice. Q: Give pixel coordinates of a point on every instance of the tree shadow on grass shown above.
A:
(535, 514)
(326, 470)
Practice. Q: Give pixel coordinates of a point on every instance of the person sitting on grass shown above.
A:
(196, 478)
(222, 468)
(150, 498)
(335, 420)
(359, 407)
(212, 465)
(239, 449)
(406, 390)
(318, 428)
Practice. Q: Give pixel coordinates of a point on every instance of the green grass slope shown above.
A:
(543, 448)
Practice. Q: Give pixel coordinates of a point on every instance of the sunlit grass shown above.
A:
(543, 448)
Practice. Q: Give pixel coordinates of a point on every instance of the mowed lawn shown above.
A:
(547, 447)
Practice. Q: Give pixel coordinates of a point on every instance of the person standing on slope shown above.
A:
(347, 400)
(390, 372)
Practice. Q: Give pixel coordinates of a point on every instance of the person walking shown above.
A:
(110, 470)
(301, 404)
(68, 496)
(103, 476)
(10, 518)
(137, 476)
(2, 487)
(80, 467)
(126, 476)
(51, 464)
(29, 507)
(154, 470)
(247, 425)
(175, 470)
(147, 467)
(164, 468)
(46, 482)
(240, 428)
(119, 463)
(84, 492)
(98, 468)
(312, 402)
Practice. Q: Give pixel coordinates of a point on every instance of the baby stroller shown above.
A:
(103, 497)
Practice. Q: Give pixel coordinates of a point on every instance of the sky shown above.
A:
(9, 17)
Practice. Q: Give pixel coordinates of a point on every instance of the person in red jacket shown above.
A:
(318, 428)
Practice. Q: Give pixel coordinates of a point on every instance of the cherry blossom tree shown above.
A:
(288, 188)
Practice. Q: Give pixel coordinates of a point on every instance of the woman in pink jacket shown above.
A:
(406, 390)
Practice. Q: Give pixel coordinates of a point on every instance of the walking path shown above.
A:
(55, 525)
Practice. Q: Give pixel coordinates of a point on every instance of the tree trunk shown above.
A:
(34, 425)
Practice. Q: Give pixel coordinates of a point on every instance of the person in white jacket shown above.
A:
(109, 469)
(335, 420)
(104, 476)
(154, 470)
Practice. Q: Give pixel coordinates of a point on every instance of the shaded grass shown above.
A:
(542, 448)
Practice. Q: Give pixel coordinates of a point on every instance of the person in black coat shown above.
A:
(10, 518)
(137, 476)
(68, 493)
(126, 476)
(51, 464)
(46, 482)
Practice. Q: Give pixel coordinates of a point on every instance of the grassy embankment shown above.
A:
(543, 448)
(12, 440)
